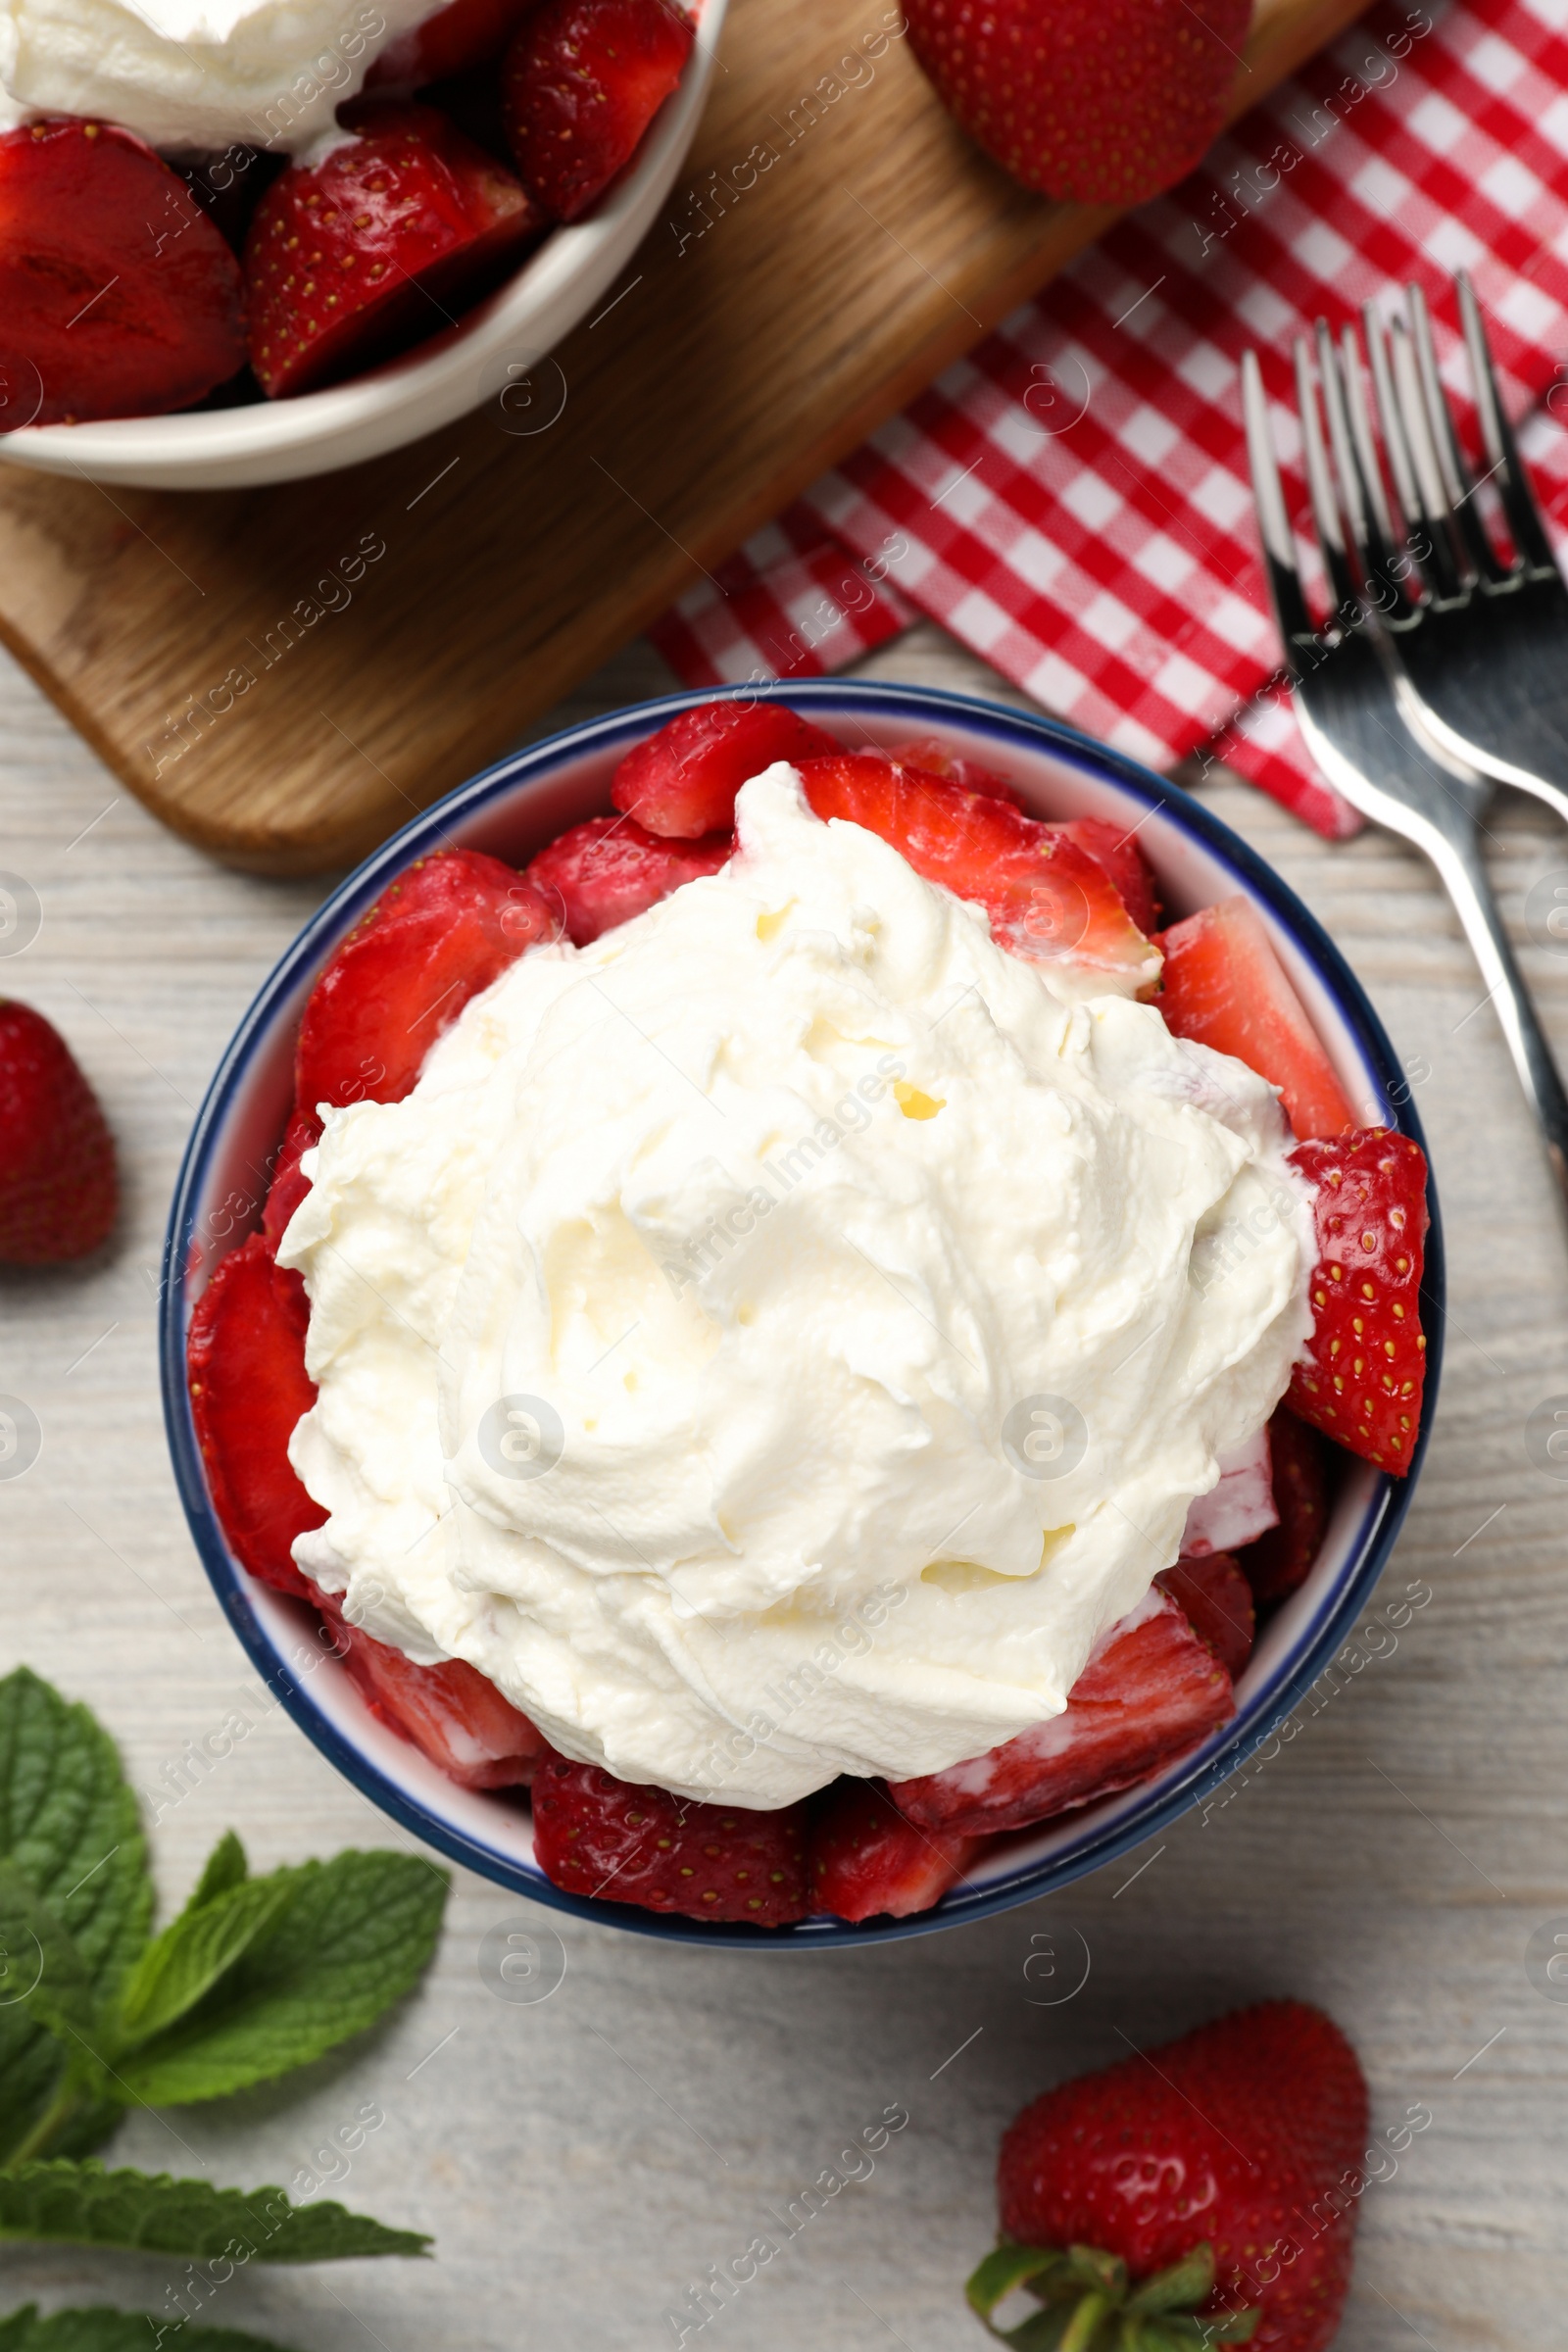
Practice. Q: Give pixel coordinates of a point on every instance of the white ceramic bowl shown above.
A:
(284, 440)
(512, 811)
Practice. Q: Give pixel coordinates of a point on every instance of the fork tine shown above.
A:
(1456, 473)
(1390, 546)
(1432, 500)
(1273, 524)
(1321, 491)
(1364, 510)
(1513, 483)
(1405, 492)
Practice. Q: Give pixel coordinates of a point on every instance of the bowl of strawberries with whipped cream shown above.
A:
(838, 1315)
(244, 241)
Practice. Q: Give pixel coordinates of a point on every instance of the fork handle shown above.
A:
(1456, 854)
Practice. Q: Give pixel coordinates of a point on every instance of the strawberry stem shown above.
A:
(1088, 2304)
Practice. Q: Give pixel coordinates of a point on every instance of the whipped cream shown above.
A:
(778, 1338)
(197, 76)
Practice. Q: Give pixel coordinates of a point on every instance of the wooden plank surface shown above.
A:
(582, 2163)
(283, 674)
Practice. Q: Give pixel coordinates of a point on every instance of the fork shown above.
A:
(1478, 647)
(1344, 694)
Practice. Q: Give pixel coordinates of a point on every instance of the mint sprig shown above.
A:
(255, 1978)
(98, 2329)
(336, 1943)
(62, 2203)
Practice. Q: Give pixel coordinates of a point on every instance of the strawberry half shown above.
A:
(288, 1186)
(245, 1360)
(682, 781)
(1216, 1600)
(1098, 101)
(1047, 899)
(58, 1187)
(595, 1835)
(453, 1713)
(1224, 986)
(1281, 1559)
(866, 1859)
(1363, 1376)
(606, 871)
(1112, 845)
(1151, 1691)
(118, 296)
(583, 79)
(933, 759)
(1117, 850)
(356, 258)
(444, 930)
(1215, 2177)
(459, 36)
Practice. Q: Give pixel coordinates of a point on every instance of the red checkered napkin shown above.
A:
(1072, 501)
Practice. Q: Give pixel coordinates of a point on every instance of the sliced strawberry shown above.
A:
(1280, 1560)
(356, 258)
(442, 932)
(1151, 1691)
(1216, 1600)
(1117, 850)
(288, 1186)
(245, 1360)
(1112, 845)
(606, 871)
(865, 1859)
(452, 1712)
(933, 759)
(1047, 899)
(1238, 1507)
(1225, 986)
(595, 1835)
(1362, 1376)
(583, 79)
(682, 781)
(459, 36)
(118, 296)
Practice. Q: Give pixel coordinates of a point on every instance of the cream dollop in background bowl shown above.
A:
(511, 810)
(497, 345)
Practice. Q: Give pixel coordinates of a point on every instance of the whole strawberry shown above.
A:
(58, 1187)
(1206, 2192)
(1099, 101)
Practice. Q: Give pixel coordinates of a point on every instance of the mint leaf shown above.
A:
(183, 1963)
(101, 2330)
(353, 1936)
(62, 2203)
(226, 1867)
(47, 1972)
(69, 1818)
(69, 1821)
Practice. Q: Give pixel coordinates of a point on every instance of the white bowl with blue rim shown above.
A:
(511, 810)
(499, 353)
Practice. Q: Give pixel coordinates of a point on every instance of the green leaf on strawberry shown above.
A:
(1089, 2305)
(97, 2327)
(63, 2203)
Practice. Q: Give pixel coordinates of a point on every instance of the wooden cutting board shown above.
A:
(285, 675)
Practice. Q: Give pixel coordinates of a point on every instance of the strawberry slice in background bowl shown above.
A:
(387, 401)
(1337, 1515)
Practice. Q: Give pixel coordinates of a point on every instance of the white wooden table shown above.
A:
(581, 2162)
